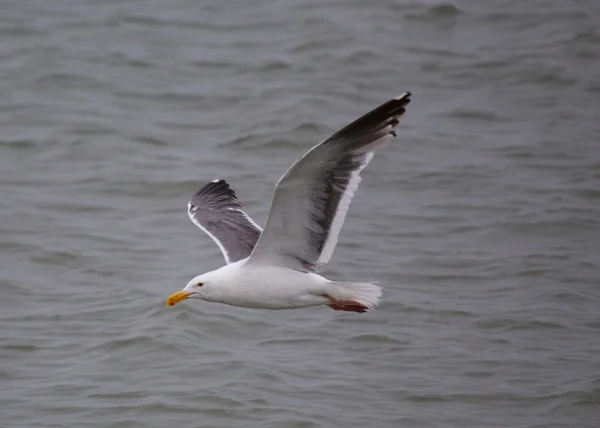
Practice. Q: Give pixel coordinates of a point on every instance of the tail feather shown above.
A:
(354, 296)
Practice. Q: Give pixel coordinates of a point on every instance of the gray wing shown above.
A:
(216, 210)
(311, 199)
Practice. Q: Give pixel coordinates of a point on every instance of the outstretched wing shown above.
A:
(216, 210)
(311, 199)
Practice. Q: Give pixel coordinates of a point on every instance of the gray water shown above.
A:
(481, 220)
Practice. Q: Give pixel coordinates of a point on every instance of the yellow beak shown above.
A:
(175, 298)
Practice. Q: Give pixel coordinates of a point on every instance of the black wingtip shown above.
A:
(400, 102)
(386, 114)
(405, 96)
(217, 188)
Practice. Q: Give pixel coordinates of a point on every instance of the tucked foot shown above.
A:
(346, 305)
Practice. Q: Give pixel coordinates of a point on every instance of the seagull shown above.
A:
(276, 267)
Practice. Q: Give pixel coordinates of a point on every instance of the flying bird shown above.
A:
(276, 267)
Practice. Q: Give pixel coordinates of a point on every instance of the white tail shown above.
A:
(353, 296)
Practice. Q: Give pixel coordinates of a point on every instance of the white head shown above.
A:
(196, 288)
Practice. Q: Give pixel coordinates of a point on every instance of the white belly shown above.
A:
(267, 287)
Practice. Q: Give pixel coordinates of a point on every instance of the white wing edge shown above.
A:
(252, 222)
(342, 210)
(213, 237)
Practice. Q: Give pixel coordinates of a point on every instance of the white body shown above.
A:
(259, 286)
(267, 287)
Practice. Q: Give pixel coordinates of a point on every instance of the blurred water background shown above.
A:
(481, 220)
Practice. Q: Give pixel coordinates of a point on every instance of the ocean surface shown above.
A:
(481, 220)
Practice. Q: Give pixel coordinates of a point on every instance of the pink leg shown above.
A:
(346, 305)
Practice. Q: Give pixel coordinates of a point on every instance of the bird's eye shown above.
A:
(199, 284)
